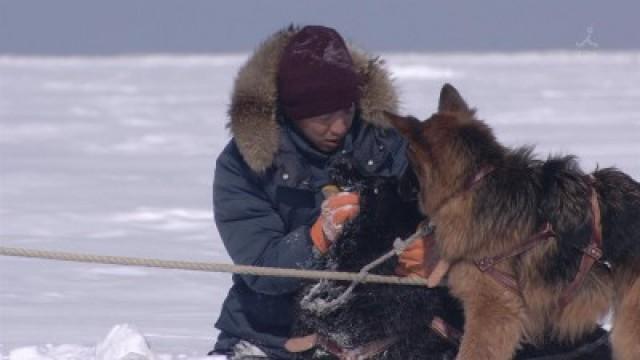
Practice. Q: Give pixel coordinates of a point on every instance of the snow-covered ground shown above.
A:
(115, 155)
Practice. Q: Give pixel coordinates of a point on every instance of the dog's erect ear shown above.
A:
(406, 125)
(451, 101)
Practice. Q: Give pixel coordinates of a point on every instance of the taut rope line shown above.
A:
(312, 302)
(211, 267)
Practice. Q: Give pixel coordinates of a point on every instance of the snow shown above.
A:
(115, 156)
(124, 342)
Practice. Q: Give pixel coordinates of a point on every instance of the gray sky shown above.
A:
(92, 27)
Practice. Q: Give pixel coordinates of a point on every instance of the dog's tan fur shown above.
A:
(497, 319)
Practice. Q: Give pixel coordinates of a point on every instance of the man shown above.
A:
(302, 98)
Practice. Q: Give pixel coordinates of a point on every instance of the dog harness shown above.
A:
(591, 254)
(487, 264)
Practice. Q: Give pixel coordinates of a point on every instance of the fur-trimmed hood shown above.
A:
(254, 114)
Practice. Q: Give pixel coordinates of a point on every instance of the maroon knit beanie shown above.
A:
(316, 74)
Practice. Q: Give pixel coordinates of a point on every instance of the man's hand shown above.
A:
(336, 210)
(419, 258)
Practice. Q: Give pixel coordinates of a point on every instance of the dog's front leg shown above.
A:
(626, 326)
(493, 324)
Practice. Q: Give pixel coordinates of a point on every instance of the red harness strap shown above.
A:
(362, 352)
(446, 331)
(487, 264)
(592, 253)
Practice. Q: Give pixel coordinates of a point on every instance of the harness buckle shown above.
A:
(593, 251)
(485, 263)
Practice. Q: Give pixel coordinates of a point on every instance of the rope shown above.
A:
(318, 305)
(210, 267)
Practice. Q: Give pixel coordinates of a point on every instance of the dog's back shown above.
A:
(620, 205)
(566, 204)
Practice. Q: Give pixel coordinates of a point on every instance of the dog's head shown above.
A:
(447, 149)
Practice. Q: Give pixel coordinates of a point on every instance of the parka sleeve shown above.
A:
(398, 153)
(252, 230)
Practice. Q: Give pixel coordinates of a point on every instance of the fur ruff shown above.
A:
(254, 112)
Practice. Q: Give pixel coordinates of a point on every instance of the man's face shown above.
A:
(326, 132)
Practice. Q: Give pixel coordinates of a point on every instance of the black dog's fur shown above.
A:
(377, 311)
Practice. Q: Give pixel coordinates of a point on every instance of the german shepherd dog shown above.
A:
(532, 247)
(377, 321)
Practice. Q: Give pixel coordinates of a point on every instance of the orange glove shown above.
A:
(336, 210)
(419, 258)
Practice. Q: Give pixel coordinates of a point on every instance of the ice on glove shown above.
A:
(336, 210)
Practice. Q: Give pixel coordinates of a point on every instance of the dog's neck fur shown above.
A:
(486, 197)
(468, 185)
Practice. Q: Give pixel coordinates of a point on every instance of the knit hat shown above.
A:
(316, 74)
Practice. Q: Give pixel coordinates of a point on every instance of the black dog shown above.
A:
(396, 317)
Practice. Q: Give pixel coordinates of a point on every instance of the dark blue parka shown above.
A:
(267, 190)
